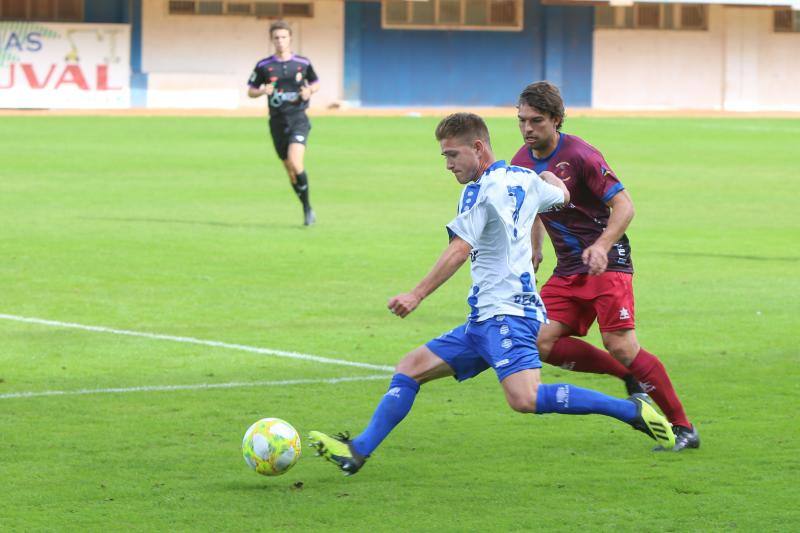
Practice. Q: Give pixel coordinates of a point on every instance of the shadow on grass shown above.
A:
(733, 256)
(268, 484)
(196, 222)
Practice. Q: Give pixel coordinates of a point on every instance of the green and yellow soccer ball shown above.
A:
(271, 446)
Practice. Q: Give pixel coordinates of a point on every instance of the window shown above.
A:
(604, 17)
(297, 10)
(648, 16)
(257, 9)
(181, 7)
(423, 12)
(239, 8)
(209, 8)
(449, 11)
(452, 14)
(42, 10)
(693, 17)
(652, 17)
(786, 20)
(268, 9)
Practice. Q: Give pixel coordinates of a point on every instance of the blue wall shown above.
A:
(123, 12)
(439, 68)
(119, 12)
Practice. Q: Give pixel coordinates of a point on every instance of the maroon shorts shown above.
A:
(578, 300)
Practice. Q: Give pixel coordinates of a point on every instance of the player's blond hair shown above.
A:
(467, 126)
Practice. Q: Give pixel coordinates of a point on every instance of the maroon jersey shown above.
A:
(591, 184)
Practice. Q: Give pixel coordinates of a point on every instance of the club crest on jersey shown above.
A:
(563, 171)
(298, 77)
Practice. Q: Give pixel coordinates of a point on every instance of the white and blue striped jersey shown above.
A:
(495, 216)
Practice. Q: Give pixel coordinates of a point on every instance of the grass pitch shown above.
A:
(187, 227)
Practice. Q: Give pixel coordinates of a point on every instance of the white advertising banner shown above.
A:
(64, 66)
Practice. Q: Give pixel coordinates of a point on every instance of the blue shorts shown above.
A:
(505, 343)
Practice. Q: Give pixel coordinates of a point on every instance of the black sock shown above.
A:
(301, 188)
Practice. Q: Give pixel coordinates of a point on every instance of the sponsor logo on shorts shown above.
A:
(299, 138)
(504, 329)
(501, 362)
(394, 391)
(624, 314)
(507, 343)
(500, 318)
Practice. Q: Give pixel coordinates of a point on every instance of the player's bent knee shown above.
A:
(406, 366)
(621, 345)
(422, 366)
(521, 389)
(545, 346)
(523, 403)
(548, 336)
(623, 355)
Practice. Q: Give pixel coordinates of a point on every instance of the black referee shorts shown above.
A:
(287, 129)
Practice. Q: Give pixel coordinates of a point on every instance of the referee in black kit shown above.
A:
(288, 81)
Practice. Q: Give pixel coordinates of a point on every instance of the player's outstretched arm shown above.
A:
(449, 262)
(553, 180)
(596, 255)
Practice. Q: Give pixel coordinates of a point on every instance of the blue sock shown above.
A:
(572, 400)
(392, 409)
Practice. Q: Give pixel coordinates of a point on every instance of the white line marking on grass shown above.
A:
(192, 340)
(199, 386)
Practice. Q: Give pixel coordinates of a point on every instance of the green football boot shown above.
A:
(649, 422)
(337, 449)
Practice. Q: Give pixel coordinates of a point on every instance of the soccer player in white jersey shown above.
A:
(493, 229)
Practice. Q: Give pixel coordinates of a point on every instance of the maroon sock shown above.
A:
(580, 356)
(647, 368)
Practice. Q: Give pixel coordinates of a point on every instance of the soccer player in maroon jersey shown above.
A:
(593, 275)
(288, 81)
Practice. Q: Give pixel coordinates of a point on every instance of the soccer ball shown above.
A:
(271, 446)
